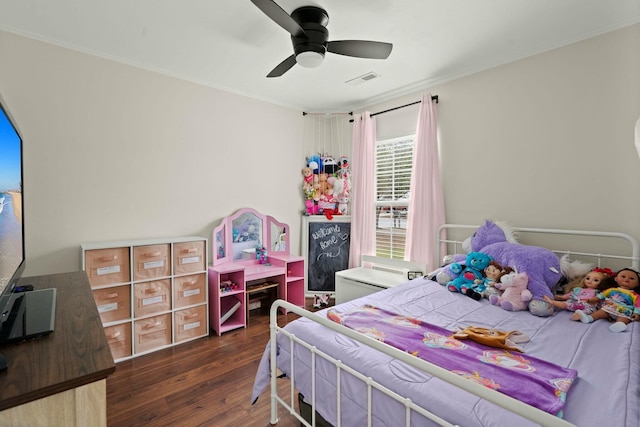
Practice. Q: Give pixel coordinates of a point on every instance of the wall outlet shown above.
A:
(414, 274)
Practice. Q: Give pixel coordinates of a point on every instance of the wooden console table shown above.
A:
(59, 380)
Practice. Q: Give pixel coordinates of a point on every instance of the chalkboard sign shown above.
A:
(328, 251)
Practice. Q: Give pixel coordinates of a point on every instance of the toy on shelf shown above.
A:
(228, 286)
(261, 254)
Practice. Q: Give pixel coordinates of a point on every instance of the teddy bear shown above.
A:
(515, 295)
(322, 185)
(307, 183)
(475, 263)
(307, 174)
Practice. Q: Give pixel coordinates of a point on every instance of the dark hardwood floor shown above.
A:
(205, 382)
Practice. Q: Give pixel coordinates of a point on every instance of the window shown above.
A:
(394, 159)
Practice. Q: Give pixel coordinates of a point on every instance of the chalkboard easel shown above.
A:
(325, 247)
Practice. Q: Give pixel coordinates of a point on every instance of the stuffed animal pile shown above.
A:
(543, 267)
(326, 185)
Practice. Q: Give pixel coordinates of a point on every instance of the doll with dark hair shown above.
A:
(620, 304)
(594, 282)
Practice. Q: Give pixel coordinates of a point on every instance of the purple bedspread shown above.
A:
(528, 379)
(606, 391)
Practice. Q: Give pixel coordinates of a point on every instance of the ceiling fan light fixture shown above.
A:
(309, 59)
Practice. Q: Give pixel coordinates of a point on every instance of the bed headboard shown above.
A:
(603, 249)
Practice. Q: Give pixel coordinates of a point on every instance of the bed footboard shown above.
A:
(411, 408)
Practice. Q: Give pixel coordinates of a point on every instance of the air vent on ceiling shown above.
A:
(363, 78)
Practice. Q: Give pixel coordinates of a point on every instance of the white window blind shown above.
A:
(394, 159)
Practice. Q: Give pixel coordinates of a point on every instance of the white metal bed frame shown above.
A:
(511, 404)
(634, 258)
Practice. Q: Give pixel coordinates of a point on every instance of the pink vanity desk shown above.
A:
(237, 278)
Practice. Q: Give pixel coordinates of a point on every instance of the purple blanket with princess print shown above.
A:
(530, 380)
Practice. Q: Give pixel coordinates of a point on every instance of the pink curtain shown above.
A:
(426, 205)
(362, 188)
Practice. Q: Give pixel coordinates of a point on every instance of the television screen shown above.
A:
(11, 215)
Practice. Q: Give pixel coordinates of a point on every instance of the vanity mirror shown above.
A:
(238, 236)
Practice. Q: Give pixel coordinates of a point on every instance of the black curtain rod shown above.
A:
(433, 98)
(304, 113)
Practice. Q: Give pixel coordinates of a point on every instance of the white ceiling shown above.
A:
(232, 45)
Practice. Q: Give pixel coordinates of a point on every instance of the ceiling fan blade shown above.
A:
(360, 48)
(279, 16)
(283, 67)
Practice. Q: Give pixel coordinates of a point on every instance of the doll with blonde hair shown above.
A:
(578, 298)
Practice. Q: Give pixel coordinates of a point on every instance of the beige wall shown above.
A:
(115, 152)
(546, 141)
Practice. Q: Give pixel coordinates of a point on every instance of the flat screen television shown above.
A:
(12, 251)
(24, 313)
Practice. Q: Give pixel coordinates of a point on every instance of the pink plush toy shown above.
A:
(515, 295)
(311, 208)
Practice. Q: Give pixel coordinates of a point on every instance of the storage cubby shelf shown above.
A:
(151, 294)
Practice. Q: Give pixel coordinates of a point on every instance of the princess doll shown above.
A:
(578, 298)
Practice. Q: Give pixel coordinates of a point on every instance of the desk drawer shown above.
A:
(119, 339)
(152, 333)
(190, 323)
(189, 290)
(152, 297)
(150, 262)
(189, 257)
(113, 303)
(107, 266)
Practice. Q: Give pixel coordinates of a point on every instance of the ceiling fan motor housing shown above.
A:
(313, 21)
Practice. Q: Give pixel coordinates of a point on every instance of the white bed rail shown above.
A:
(633, 259)
(540, 417)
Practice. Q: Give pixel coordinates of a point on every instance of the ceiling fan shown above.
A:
(308, 28)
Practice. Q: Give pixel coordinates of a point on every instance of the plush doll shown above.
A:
(342, 188)
(515, 294)
(475, 263)
(487, 286)
(337, 185)
(444, 275)
(316, 187)
(329, 165)
(311, 207)
(544, 269)
(315, 163)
